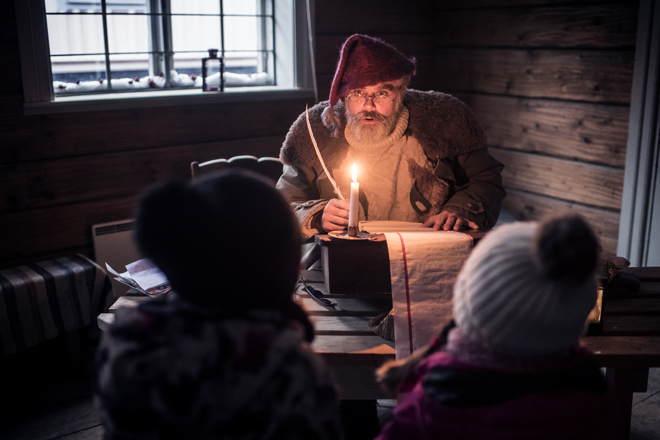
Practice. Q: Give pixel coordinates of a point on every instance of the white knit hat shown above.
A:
(527, 288)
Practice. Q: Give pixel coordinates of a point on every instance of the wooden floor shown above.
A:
(45, 400)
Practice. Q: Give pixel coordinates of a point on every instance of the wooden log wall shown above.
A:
(550, 83)
(61, 174)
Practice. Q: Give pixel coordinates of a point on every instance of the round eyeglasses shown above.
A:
(382, 98)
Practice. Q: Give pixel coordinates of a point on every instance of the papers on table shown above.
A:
(424, 268)
(143, 276)
(382, 226)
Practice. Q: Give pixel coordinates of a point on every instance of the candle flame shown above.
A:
(354, 172)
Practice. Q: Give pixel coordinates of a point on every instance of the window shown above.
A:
(639, 227)
(91, 49)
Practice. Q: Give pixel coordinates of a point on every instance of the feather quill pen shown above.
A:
(318, 153)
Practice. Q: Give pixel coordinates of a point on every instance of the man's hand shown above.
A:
(335, 215)
(448, 221)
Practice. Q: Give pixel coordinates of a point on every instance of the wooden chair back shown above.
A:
(270, 167)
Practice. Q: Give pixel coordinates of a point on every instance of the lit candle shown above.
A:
(354, 207)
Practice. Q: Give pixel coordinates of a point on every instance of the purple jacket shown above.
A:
(562, 403)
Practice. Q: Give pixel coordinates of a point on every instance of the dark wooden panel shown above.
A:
(373, 17)
(51, 136)
(39, 231)
(11, 103)
(8, 22)
(572, 181)
(597, 26)
(627, 352)
(526, 206)
(631, 325)
(347, 325)
(10, 67)
(595, 133)
(649, 275)
(622, 306)
(123, 174)
(78, 419)
(323, 83)
(590, 75)
(651, 280)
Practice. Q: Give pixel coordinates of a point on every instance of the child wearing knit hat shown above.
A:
(226, 354)
(511, 367)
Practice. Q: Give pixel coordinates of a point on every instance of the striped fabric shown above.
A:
(423, 269)
(43, 300)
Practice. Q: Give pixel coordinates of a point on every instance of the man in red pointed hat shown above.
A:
(421, 156)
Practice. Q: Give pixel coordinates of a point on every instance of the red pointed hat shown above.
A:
(365, 61)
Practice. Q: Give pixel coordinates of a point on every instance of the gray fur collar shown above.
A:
(442, 124)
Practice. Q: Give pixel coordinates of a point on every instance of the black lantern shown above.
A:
(213, 65)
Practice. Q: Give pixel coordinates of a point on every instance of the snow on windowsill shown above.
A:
(158, 82)
(237, 89)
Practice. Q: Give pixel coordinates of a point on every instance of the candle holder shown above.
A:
(359, 235)
(213, 65)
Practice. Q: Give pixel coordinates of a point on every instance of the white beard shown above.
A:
(372, 133)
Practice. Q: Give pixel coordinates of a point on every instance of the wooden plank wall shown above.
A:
(550, 82)
(60, 174)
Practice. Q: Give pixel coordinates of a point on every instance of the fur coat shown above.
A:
(462, 178)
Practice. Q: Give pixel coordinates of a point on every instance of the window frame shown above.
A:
(292, 58)
(639, 225)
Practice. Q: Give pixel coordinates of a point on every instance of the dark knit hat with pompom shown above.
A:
(527, 288)
(226, 241)
(365, 61)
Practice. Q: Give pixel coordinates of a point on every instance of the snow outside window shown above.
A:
(108, 52)
(100, 46)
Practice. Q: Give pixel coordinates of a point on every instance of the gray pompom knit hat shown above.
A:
(527, 288)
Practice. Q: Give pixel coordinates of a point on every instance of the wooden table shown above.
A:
(628, 346)
(343, 337)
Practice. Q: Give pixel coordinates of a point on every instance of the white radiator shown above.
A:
(114, 244)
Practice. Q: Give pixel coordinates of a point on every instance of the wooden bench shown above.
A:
(628, 346)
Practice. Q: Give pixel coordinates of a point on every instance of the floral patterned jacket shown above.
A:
(167, 370)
